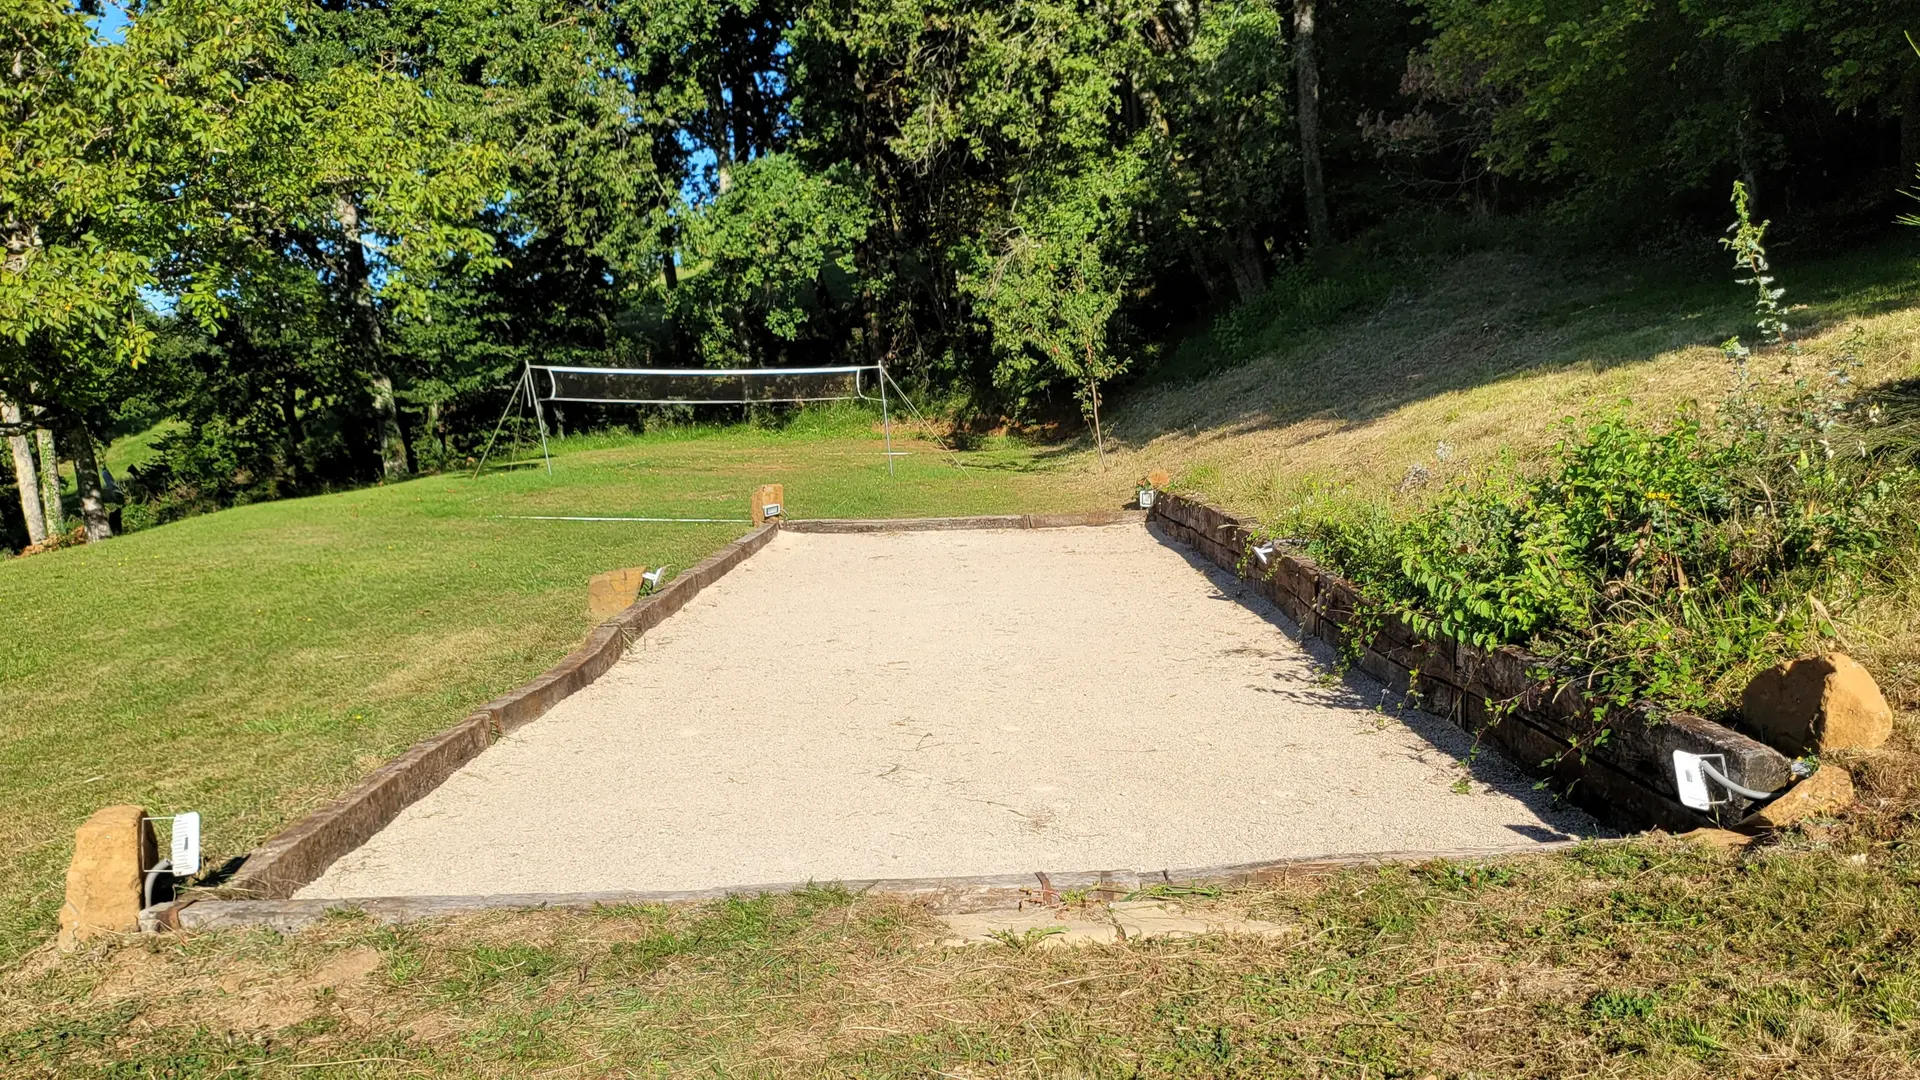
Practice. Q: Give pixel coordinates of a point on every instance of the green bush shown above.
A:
(1662, 564)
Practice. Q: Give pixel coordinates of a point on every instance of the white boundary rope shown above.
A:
(661, 520)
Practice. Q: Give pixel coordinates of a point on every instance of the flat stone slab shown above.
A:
(1037, 926)
(950, 703)
(1104, 924)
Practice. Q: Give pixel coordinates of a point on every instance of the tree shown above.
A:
(1226, 161)
(1306, 69)
(26, 476)
(770, 261)
(1052, 281)
(106, 171)
(1627, 108)
(50, 483)
(184, 167)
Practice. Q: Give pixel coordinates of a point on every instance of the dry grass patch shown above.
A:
(1487, 357)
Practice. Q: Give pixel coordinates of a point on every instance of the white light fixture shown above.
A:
(1691, 773)
(183, 859)
(185, 846)
(1690, 780)
(1263, 552)
(654, 577)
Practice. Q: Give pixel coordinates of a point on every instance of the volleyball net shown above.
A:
(544, 385)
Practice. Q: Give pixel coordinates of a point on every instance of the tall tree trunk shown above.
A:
(1306, 77)
(1249, 276)
(292, 432)
(50, 503)
(93, 501)
(25, 476)
(369, 344)
(1093, 399)
(1910, 125)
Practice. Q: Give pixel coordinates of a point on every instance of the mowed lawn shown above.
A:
(253, 664)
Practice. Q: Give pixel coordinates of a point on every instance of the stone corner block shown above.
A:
(764, 496)
(1816, 704)
(1825, 793)
(613, 592)
(112, 852)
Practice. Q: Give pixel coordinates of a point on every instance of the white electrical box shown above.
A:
(1691, 780)
(186, 844)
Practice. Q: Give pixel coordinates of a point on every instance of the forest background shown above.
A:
(310, 245)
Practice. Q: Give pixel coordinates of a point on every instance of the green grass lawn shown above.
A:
(1649, 960)
(136, 449)
(252, 664)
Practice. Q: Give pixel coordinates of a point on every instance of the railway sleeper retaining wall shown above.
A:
(1619, 766)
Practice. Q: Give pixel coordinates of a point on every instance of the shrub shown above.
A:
(1662, 564)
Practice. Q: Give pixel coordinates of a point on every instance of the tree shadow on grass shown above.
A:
(1493, 316)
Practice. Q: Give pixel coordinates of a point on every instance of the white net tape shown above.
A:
(706, 386)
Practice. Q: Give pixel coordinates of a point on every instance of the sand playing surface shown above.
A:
(928, 704)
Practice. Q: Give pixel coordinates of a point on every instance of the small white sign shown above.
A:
(770, 510)
(1691, 781)
(186, 844)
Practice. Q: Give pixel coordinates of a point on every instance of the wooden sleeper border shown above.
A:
(940, 894)
(1454, 679)
(955, 524)
(1625, 777)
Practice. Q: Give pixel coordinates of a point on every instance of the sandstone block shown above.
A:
(1157, 480)
(1146, 920)
(1816, 704)
(1724, 839)
(1036, 927)
(613, 592)
(112, 852)
(764, 496)
(1825, 793)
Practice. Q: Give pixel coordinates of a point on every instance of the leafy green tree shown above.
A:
(770, 260)
(100, 179)
(1624, 105)
(1050, 283)
(959, 116)
(1226, 158)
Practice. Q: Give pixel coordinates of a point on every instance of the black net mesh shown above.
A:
(656, 387)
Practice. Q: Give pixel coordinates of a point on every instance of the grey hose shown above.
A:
(1748, 792)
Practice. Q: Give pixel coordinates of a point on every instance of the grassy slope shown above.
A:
(252, 664)
(1488, 353)
(1652, 960)
(1494, 353)
(136, 449)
